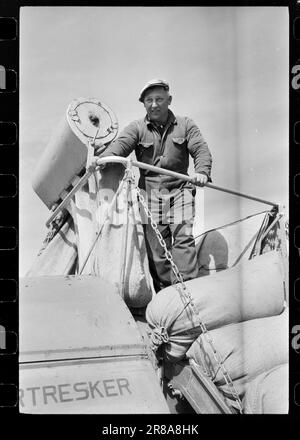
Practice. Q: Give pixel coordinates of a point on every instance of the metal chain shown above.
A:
(189, 299)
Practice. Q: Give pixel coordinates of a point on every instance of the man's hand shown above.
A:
(98, 149)
(94, 166)
(200, 179)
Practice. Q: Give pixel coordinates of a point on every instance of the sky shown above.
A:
(227, 68)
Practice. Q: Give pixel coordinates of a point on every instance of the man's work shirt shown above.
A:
(168, 147)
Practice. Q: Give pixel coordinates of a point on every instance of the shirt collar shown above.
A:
(171, 119)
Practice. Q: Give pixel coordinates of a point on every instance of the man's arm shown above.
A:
(199, 151)
(123, 145)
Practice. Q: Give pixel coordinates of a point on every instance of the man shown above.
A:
(166, 141)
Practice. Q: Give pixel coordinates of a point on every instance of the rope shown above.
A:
(159, 336)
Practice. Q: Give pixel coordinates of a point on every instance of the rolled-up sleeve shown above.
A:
(125, 143)
(198, 149)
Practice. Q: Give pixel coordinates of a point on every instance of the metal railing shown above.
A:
(128, 162)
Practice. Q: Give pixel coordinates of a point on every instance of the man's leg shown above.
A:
(183, 248)
(184, 251)
(159, 266)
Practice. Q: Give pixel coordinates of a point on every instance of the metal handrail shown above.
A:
(126, 161)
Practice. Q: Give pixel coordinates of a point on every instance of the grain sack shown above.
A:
(89, 207)
(120, 255)
(250, 290)
(247, 349)
(109, 235)
(223, 247)
(268, 393)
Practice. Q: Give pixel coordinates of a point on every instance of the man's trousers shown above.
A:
(174, 214)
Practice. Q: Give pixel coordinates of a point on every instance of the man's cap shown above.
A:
(153, 83)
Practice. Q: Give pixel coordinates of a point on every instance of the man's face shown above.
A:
(156, 102)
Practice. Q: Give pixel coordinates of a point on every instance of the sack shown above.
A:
(120, 255)
(106, 224)
(268, 393)
(253, 289)
(223, 247)
(247, 349)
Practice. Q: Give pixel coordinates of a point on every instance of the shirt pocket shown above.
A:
(178, 154)
(145, 145)
(144, 151)
(179, 142)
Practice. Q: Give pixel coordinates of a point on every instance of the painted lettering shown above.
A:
(62, 393)
(33, 390)
(94, 388)
(123, 383)
(108, 387)
(49, 391)
(80, 387)
(68, 392)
